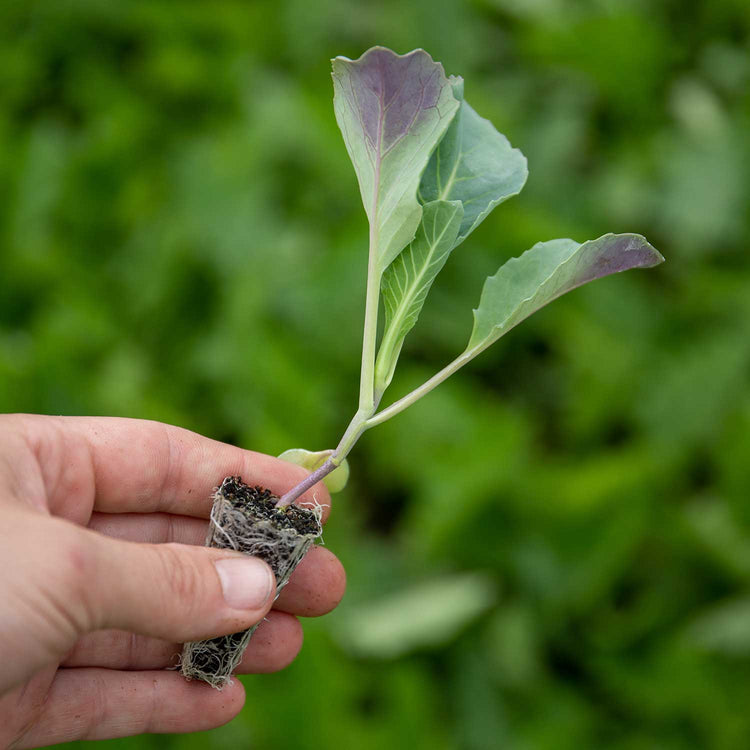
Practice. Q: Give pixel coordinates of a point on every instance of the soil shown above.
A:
(246, 518)
(258, 502)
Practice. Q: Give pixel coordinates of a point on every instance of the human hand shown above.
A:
(102, 577)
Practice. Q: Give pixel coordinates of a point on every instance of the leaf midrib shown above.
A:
(460, 138)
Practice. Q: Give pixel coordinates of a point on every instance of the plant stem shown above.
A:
(368, 399)
(364, 419)
(369, 336)
(398, 406)
(353, 432)
(306, 483)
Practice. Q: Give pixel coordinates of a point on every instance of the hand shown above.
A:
(102, 576)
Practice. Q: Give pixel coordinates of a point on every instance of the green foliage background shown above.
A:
(181, 239)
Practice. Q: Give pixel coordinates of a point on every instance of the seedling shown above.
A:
(430, 170)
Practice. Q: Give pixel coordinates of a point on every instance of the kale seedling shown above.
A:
(430, 170)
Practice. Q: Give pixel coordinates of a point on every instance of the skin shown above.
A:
(103, 576)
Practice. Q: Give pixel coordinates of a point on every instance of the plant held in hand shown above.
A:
(430, 170)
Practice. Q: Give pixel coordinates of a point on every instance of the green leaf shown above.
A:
(429, 614)
(546, 271)
(335, 481)
(392, 111)
(475, 164)
(408, 279)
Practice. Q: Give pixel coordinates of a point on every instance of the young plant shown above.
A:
(430, 170)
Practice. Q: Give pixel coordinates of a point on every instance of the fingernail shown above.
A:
(246, 583)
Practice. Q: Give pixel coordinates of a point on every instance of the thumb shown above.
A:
(178, 592)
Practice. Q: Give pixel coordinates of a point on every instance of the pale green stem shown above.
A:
(353, 432)
(403, 403)
(364, 419)
(369, 337)
(368, 399)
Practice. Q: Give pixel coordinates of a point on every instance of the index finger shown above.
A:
(141, 466)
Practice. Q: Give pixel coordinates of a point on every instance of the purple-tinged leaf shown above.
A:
(546, 271)
(392, 111)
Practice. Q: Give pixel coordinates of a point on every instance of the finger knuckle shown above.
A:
(181, 576)
(72, 581)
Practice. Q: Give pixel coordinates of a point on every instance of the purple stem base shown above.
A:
(306, 483)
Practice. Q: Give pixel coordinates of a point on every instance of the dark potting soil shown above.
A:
(256, 504)
(259, 503)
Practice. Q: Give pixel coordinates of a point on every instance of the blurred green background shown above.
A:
(560, 536)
